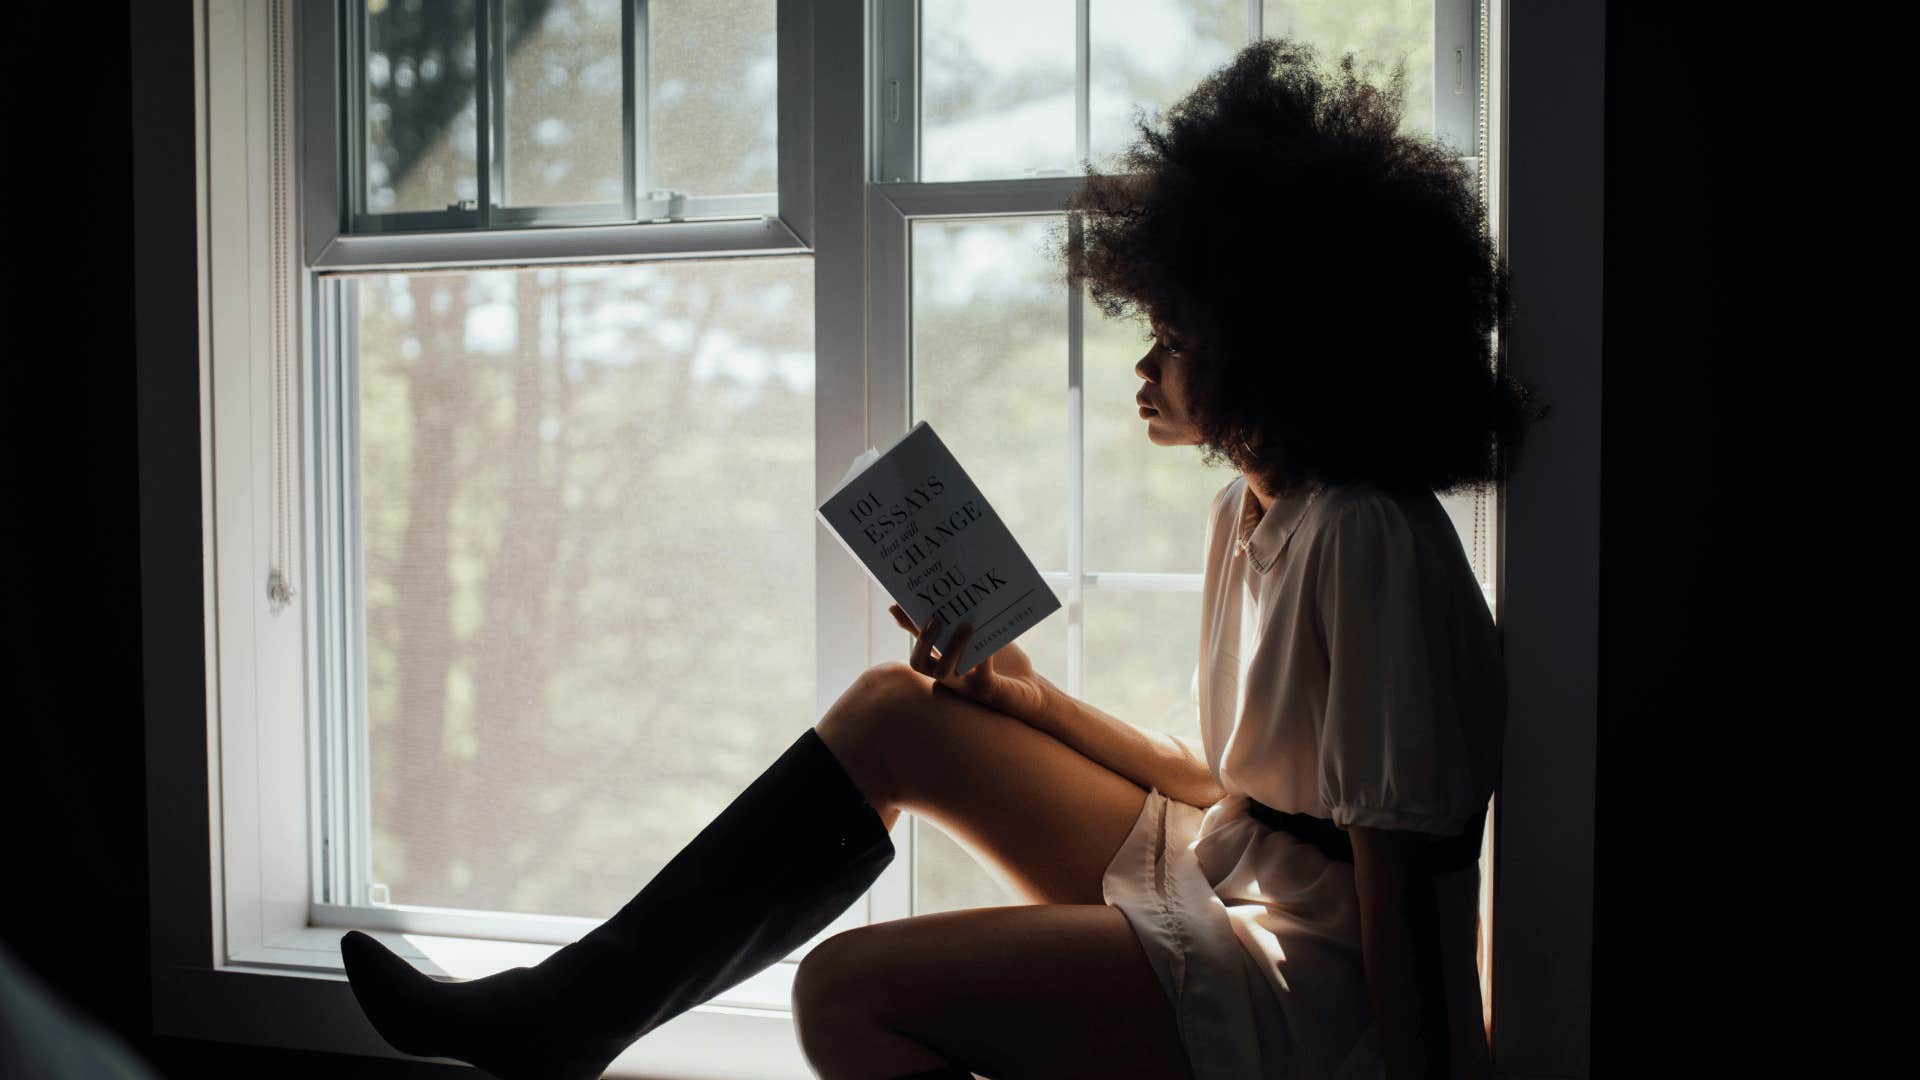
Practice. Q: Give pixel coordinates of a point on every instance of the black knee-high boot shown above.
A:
(791, 853)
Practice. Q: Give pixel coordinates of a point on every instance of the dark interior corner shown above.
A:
(1706, 870)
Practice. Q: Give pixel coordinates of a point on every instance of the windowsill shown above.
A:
(292, 992)
(315, 951)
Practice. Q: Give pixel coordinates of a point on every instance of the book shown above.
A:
(925, 532)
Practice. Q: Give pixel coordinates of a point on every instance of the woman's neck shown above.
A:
(1259, 494)
(1264, 497)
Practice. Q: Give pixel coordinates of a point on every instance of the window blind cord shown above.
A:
(280, 574)
(1481, 564)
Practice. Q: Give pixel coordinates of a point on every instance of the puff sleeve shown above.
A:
(1392, 754)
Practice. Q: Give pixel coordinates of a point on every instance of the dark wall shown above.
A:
(75, 901)
(74, 780)
(1706, 831)
(1743, 538)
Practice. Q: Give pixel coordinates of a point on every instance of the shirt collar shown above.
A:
(1264, 536)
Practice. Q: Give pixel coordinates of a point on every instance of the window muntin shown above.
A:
(577, 494)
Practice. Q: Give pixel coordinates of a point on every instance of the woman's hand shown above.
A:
(1005, 680)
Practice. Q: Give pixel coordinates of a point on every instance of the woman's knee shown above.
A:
(826, 988)
(855, 726)
(889, 683)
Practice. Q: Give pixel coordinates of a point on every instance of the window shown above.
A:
(497, 300)
(492, 114)
(984, 109)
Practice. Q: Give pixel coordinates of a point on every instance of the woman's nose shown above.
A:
(1144, 369)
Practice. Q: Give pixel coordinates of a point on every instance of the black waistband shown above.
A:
(1449, 852)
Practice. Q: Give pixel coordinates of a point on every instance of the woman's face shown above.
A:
(1163, 399)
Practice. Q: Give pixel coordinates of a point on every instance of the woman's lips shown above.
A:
(1148, 410)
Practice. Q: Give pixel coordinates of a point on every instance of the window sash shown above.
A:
(899, 198)
(280, 780)
(341, 872)
(637, 203)
(345, 894)
(340, 235)
(897, 81)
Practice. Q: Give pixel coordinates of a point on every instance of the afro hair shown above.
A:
(1334, 276)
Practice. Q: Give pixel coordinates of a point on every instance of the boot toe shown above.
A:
(388, 990)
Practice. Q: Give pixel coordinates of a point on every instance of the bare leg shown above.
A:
(1055, 991)
(1044, 815)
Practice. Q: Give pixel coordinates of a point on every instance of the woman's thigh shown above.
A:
(1045, 816)
(1046, 990)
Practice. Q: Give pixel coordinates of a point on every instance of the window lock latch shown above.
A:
(668, 204)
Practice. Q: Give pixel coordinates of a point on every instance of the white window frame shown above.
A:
(234, 849)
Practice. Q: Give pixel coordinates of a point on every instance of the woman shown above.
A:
(1297, 898)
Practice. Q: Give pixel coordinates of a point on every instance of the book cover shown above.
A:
(922, 528)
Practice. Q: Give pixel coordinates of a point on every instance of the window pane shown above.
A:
(946, 875)
(997, 76)
(1381, 31)
(997, 93)
(420, 68)
(989, 368)
(711, 81)
(1146, 503)
(996, 89)
(586, 497)
(563, 107)
(1143, 649)
(1150, 53)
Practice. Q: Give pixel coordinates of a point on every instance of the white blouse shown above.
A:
(1348, 669)
(1365, 684)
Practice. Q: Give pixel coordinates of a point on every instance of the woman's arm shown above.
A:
(1400, 941)
(1152, 759)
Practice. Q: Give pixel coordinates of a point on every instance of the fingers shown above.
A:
(922, 658)
(901, 618)
(956, 648)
